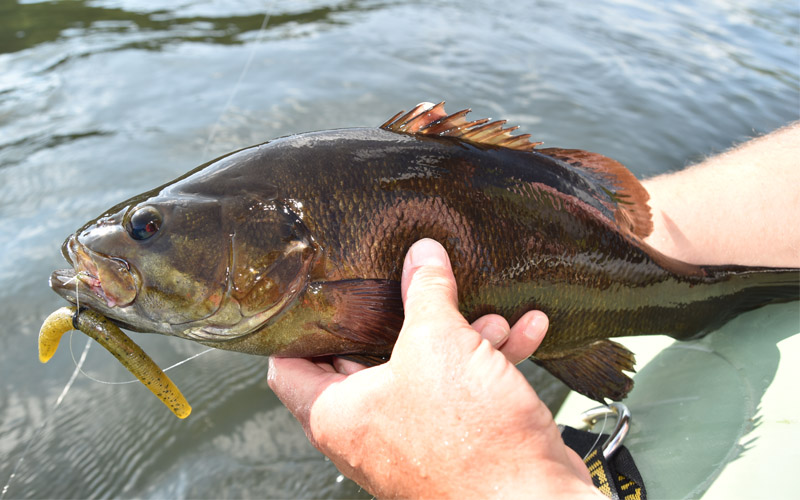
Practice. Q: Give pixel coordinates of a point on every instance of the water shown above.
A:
(101, 100)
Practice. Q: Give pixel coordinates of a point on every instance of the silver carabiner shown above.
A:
(623, 416)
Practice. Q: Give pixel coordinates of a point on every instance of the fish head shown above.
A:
(199, 265)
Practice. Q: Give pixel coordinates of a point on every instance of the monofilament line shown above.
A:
(599, 435)
(133, 380)
(237, 85)
(61, 396)
(79, 366)
(50, 415)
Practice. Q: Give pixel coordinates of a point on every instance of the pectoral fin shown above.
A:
(594, 370)
(366, 359)
(366, 311)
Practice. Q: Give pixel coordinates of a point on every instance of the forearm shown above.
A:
(740, 207)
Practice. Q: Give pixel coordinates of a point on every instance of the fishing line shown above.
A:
(246, 68)
(599, 435)
(79, 367)
(50, 415)
(79, 363)
(134, 379)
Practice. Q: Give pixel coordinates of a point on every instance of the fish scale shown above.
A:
(316, 270)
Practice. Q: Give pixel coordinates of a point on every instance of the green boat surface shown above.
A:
(718, 417)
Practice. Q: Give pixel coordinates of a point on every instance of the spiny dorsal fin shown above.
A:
(630, 197)
(429, 119)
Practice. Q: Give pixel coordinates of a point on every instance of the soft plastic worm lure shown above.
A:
(117, 343)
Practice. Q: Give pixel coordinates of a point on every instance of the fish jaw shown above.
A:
(95, 279)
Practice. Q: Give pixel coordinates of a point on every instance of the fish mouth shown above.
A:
(95, 278)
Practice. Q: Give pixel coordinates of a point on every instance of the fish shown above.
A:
(294, 248)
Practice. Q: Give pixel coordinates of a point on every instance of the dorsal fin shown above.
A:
(632, 211)
(629, 197)
(429, 119)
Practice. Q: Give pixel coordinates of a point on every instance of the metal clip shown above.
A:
(623, 416)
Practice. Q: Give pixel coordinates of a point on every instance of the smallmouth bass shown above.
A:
(295, 247)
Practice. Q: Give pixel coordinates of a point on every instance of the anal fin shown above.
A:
(595, 370)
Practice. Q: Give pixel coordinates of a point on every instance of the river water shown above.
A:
(100, 100)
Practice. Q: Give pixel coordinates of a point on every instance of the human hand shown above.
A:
(448, 415)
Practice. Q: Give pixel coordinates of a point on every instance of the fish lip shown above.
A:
(95, 278)
(65, 283)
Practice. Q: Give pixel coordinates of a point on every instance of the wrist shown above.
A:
(550, 472)
(529, 468)
(534, 478)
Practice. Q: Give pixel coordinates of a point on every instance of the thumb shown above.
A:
(428, 285)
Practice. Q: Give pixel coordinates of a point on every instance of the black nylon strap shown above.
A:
(617, 478)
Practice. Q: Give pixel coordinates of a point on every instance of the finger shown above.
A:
(298, 382)
(525, 336)
(493, 328)
(324, 365)
(346, 366)
(430, 306)
(428, 278)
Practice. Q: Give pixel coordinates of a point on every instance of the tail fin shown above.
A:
(746, 288)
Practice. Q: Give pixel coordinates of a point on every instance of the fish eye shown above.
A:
(144, 223)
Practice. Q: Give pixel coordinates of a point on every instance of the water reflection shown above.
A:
(154, 25)
(102, 100)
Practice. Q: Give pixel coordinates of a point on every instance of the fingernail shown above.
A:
(494, 333)
(537, 327)
(270, 369)
(427, 252)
